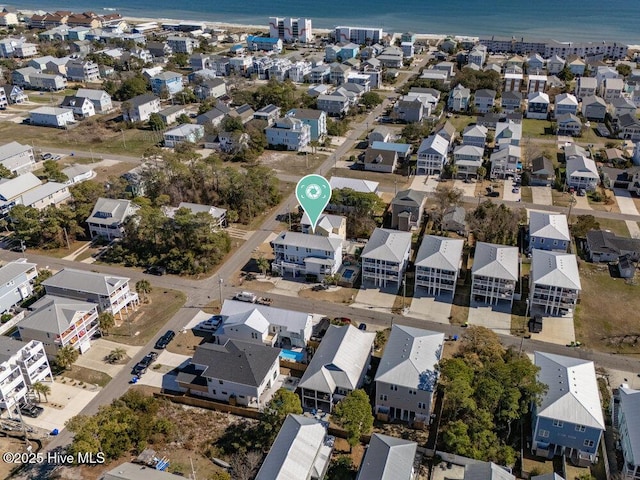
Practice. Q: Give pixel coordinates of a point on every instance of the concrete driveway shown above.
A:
(508, 195)
(424, 183)
(373, 298)
(469, 189)
(541, 195)
(165, 376)
(495, 317)
(582, 202)
(100, 348)
(627, 206)
(435, 309)
(559, 330)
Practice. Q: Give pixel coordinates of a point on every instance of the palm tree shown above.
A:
(143, 287)
(41, 389)
(106, 322)
(66, 356)
(116, 355)
(263, 265)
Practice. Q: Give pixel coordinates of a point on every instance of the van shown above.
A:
(246, 297)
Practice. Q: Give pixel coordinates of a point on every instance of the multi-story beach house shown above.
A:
(494, 273)
(432, 155)
(300, 254)
(16, 283)
(554, 282)
(108, 217)
(437, 265)
(548, 231)
(385, 257)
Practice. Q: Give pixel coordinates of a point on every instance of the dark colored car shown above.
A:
(156, 270)
(142, 365)
(362, 326)
(165, 339)
(30, 410)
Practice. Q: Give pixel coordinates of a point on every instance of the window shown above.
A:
(393, 388)
(588, 443)
(558, 423)
(221, 382)
(543, 433)
(412, 392)
(223, 393)
(422, 405)
(580, 428)
(383, 397)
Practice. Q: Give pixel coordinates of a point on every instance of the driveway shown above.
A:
(495, 317)
(424, 183)
(541, 195)
(435, 309)
(625, 202)
(165, 375)
(558, 330)
(582, 202)
(373, 298)
(469, 189)
(508, 195)
(100, 348)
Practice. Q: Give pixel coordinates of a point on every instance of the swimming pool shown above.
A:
(291, 356)
(347, 274)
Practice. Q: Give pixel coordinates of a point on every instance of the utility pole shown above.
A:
(66, 237)
(220, 282)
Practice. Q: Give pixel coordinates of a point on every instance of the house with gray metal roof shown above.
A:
(432, 155)
(109, 292)
(58, 322)
(16, 283)
(301, 254)
(569, 419)
(271, 326)
(438, 264)
(302, 450)
(219, 215)
(554, 282)
(407, 375)
(582, 173)
(11, 189)
(328, 225)
(355, 184)
(475, 135)
(337, 368)
(455, 220)
(494, 273)
(385, 256)
(388, 458)
(108, 217)
(626, 419)
(407, 209)
(240, 372)
(135, 471)
(548, 231)
(17, 158)
(486, 471)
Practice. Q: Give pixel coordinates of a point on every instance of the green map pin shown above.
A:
(313, 193)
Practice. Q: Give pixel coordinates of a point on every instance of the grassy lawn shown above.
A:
(82, 375)
(560, 199)
(536, 128)
(589, 136)
(619, 227)
(526, 195)
(382, 178)
(595, 326)
(58, 252)
(461, 121)
(90, 134)
(142, 325)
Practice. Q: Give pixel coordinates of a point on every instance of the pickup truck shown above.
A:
(246, 297)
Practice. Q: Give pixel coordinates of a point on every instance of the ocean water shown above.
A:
(581, 20)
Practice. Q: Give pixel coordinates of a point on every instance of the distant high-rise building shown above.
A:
(291, 29)
(357, 35)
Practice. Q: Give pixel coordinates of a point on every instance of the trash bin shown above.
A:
(55, 431)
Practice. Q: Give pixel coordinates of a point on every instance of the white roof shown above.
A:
(389, 245)
(410, 358)
(475, 131)
(11, 149)
(314, 242)
(496, 261)
(326, 220)
(355, 184)
(51, 111)
(572, 394)
(293, 320)
(388, 458)
(630, 409)
(184, 130)
(582, 166)
(110, 211)
(11, 188)
(468, 150)
(11, 270)
(549, 225)
(439, 252)
(566, 99)
(294, 453)
(339, 361)
(434, 142)
(43, 191)
(509, 129)
(538, 97)
(486, 471)
(556, 269)
(82, 281)
(91, 94)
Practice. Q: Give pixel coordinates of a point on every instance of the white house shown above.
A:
(582, 173)
(101, 100)
(438, 264)
(300, 254)
(566, 103)
(506, 162)
(328, 225)
(586, 87)
(508, 133)
(494, 273)
(16, 283)
(468, 158)
(17, 158)
(302, 450)
(289, 132)
(22, 364)
(108, 217)
(355, 184)
(554, 282)
(237, 372)
(432, 155)
(537, 83)
(538, 105)
(219, 215)
(385, 256)
(140, 108)
(80, 106)
(337, 368)
(186, 133)
(51, 117)
(262, 324)
(626, 417)
(407, 375)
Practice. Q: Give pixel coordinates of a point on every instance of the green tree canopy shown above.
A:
(136, 85)
(281, 404)
(156, 122)
(495, 223)
(353, 413)
(371, 99)
(583, 225)
(53, 171)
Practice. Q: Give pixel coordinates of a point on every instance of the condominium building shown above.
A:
(291, 29)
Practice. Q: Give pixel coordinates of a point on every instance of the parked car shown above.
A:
(47, 156)
(142, 365)
(342, 320)
(246, 297)
(362, 326)
(582, 192)
(30, 410)
(156, 270)
(165, 339)
(515, 190)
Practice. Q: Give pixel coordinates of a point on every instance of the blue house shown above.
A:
(569, 419)
(316, 119)
(548, 231)
(169, 82)
(402, 149)
(16, 283)
(350, 50)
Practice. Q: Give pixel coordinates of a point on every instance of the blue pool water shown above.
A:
(347, 274)
(291, 355)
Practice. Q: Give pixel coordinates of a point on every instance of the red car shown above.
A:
(344, 320)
